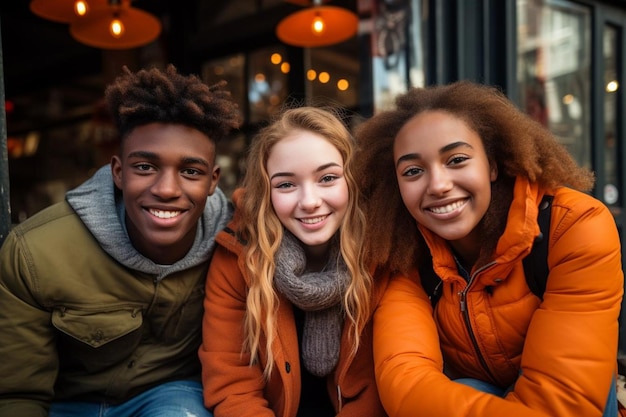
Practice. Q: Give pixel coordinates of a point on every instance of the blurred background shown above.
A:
(562, 61)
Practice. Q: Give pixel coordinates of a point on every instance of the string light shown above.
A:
(318, 25)
(81, 8)
(276, 58)
(343, 84)
(116, 27)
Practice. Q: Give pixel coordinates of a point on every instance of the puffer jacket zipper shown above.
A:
(468, 323)
(340, 400)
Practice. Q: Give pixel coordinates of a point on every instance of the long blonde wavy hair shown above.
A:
(263, 231)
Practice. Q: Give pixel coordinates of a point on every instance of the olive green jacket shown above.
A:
(77, 324)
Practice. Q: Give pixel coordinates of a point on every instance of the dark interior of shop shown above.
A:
(53, 84)
(43, 64)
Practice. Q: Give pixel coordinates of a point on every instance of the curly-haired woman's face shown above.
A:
(308, 189)
(444, 175)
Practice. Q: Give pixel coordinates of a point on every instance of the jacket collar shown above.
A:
(516, 240)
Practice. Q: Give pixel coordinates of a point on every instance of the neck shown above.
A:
(466, 250)
(316, 257)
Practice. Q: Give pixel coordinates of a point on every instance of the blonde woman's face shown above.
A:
(309, 192)
(444, 175)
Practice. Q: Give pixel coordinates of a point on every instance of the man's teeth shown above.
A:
(162, 214)
(313, 220)
(448, 208)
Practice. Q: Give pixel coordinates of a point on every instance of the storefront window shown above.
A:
(611, 85)
(332, 74)
(267, 82)
(554, 70)
(229, 69)
(227, 11)
(397, 52)
(230, 152)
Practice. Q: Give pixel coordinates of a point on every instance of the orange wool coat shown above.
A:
(559, 355)
(234, 388)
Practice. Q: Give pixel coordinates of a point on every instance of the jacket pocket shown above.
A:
(186, 322)
(96, 339)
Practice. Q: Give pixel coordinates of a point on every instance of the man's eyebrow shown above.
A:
(199, 161)
(144, 154)
(151, 156)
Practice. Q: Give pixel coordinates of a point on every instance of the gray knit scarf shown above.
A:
(319, 294)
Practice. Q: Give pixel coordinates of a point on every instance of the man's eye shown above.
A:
(191, 171)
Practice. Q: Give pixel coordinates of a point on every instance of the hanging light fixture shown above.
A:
(64, 11)
(318, 25)
(116, 25)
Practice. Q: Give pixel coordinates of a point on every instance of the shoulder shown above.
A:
(572, 208)
(55, 230)
(584, 246)
(229, 236)
(380, 282)
(56, 216)
(46, 243)
(230, 239)
(572, 199)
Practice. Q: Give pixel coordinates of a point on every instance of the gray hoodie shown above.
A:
(99, 205)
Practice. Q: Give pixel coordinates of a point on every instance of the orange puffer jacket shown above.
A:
(558, 355)
(234, 388)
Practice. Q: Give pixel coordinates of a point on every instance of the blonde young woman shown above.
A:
(287, 329)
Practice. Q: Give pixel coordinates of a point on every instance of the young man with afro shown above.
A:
(101, 294)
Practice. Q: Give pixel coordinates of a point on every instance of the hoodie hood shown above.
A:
(99, 204)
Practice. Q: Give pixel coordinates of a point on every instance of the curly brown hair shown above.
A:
(149, 96)
(514, 142)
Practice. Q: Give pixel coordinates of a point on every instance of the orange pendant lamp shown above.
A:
(317, 26)
(117, 25)
(64, 11)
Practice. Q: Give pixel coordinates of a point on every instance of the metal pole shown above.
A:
(5, 202)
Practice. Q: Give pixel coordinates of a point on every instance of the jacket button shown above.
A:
(287, 367)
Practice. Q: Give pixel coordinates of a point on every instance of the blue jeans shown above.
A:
(610, 410)
(172, 399)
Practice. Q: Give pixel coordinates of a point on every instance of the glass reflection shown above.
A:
(554, 70)
(611, 176)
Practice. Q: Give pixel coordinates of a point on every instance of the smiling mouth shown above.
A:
(164, 214)
(447, 208)
(313, 220)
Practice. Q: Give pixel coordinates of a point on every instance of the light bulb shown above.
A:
(116, 28)
(318, 25)
(81, 8)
